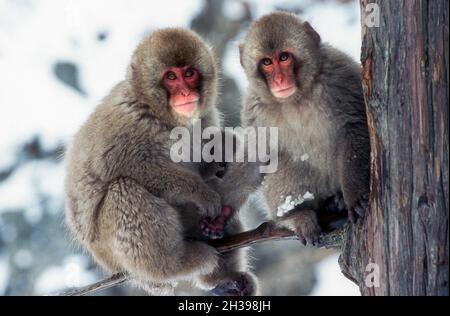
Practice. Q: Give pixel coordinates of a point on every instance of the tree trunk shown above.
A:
(404, 240)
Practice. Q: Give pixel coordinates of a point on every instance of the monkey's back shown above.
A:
(111, 144)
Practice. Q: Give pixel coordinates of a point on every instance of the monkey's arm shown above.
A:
(354, 169)
(179, 186)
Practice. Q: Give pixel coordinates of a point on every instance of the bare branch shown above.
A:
(113, 280)
(267, 231)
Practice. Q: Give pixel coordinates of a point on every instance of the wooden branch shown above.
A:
(113, 280)
(267, 231)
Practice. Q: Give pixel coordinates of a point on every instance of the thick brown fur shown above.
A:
(323, 134)
(127, 203)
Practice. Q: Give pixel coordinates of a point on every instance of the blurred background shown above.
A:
(58, 58)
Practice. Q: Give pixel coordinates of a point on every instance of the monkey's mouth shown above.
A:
(186, 108)
(285, 92)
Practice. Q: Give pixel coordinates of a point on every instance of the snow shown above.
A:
(23, 189)
(72, 273)
(331, 281)
(304, 157)
(4, 274)
(289, 203)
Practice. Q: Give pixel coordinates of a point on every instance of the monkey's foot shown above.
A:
(306, 226)
(308, 233)
(359, 209)
(240, 285)
(214, 228)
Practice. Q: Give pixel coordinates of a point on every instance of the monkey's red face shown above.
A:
(182, 85)
(279, 73)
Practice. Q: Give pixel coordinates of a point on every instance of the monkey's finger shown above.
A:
(212, 233)
(217, 235)
(312, 237)
(301, 237)
(204, 222)
(208, 233)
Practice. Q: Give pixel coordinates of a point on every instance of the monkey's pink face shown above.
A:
(182, 85)
(278, 70)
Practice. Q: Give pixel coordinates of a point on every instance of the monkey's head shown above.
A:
(174, 72)
(280, 55)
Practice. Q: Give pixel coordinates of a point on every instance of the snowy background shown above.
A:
(58, 58)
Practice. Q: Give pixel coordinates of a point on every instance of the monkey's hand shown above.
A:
(213, 228)
(358, 207)
(305, 225)
(208, 201)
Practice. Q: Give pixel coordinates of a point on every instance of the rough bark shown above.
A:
(405, 80)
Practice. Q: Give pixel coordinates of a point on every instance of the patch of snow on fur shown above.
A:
(289, 203)
(304, 157)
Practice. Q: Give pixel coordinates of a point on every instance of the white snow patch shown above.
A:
(24, 189)
(72, 273)
(304, 157)
(331, 281)
(290, 203)
(308, 196)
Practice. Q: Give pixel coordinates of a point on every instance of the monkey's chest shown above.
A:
(314, 145)
(312, 152)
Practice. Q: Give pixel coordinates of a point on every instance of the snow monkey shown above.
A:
(312, 92)
(133, 208)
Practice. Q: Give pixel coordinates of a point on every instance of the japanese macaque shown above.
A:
(133, 208)
(312, 92)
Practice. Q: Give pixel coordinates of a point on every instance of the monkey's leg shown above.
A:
(282, 191)
(354, 173)
(145, 236)
(231, 277)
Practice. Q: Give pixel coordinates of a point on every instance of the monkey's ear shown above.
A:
(241, 53)
(311, 33)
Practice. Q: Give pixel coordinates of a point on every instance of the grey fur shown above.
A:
(325, 119)
(127, 203)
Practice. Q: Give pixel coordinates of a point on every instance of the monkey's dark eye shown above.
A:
(171, 75)
(189, 73)
(266, 62)
(284, 56)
